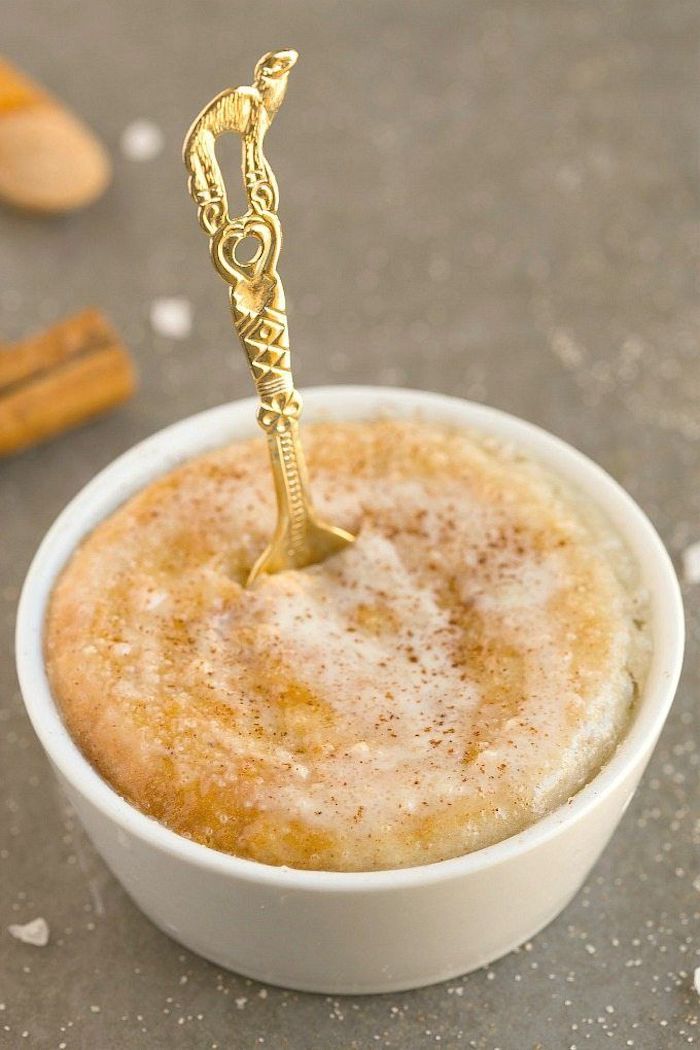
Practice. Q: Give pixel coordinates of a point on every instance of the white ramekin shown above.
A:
(351, 932)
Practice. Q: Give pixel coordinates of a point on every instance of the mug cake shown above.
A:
(460, 671)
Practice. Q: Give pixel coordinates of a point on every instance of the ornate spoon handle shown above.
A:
(257, 299)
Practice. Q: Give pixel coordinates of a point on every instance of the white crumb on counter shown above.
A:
(691, 563)
(171, 317)
(141, 140)
(35, 932)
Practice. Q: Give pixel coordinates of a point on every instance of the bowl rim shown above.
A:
(216, 426)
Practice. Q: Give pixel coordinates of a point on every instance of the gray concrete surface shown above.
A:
(494, 199)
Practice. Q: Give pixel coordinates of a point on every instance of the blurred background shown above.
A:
(497, 200)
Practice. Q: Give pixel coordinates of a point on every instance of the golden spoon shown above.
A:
(257, 299)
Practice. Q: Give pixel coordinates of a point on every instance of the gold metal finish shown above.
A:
(257, 299)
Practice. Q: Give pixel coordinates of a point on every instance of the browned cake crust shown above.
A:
(457, 673)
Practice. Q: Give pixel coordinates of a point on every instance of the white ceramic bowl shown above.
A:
(351, 932)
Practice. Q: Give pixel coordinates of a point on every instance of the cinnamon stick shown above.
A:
(61, 378)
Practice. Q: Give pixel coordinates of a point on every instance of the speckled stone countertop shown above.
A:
(545, 264)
